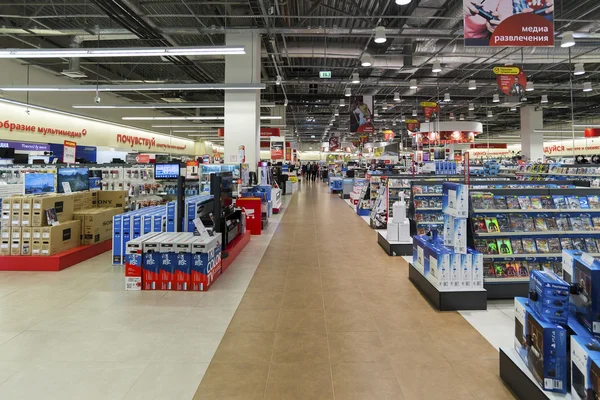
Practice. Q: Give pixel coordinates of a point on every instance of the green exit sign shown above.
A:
(324, 74)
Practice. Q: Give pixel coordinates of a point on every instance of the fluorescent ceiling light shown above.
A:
(471, 107)
(190, 126)
(366, 60)
(159, 105)
(587, 86)
(413, 84)
(579, 69)
(437, 67)
(414, 113)
(397, 96)
(135, 88)
(191, 118)
(403, 2)
(544, 99)
(472, 84)
(555, 131)
(490, 114)
(529, 87)
(193, 131)
(122, 52)
(380, 34)
(342, 102)
(567, 39)
(496, 98)
(347, 93)
(355, 78)
(447, 97)
(384, 106)
(462, 117)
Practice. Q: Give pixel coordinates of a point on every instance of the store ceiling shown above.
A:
(303, 37)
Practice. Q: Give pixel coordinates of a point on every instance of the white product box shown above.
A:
(455, 270)
(476, 268)
(466, 272)
(393, 231)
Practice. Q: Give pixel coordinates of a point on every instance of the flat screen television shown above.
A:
(166, 171)
(38, 183)
(78, 179)
(7, 152)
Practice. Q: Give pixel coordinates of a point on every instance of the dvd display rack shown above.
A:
(521, 229)
(551, 172)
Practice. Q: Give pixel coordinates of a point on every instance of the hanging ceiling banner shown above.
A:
(431, 110)
(412, 125)
(388, 135)
(503, 23)
(334, 141)
(511, 81)
(361, 117)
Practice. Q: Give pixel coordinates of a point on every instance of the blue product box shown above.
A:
(455, 199)
(117, 252)
(136, 226)
(584, 352)
(419, 244)
(171, 216)
(547, 353)
(584, 301)
(147, 223)
(549, 296)
(439, 266)
(158, 222)
(568, 259)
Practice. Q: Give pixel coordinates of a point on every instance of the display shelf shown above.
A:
(393, 248)
(234, 249)
(520, 380)
(446, 300)
(530, 255)
(506, 289)
(429, 209)
(427, 194)
(537, 233)
(535, 211)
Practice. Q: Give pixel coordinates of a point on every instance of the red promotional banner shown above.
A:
(489, 146)
(142, 158)
(334, 142)
(412, 125)
(431, 109)
(363, 138)
(511, 80)
(591, 132)
(445, 137)
(520, 23)
(388, 135)
(276, 150)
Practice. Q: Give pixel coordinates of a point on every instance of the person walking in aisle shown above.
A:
(315, 171)
(304, 174)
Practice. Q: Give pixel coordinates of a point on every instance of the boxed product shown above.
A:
(520, 342)
(183, 267)
(455, 200)
(419, 245)
(549, 296)
(476, 268)
(568, 259)
(6, 215)
(15, 218)
(547, 353)
(62, 203)
(151, 262)
(168, 260)
(133, 261)
(26, 238)
(585, 351)
(206, 262)
(15, 244)
(59, 238)
(466, 272)
(82, 200)
(439, 266)
(584, 301)
(112, 198)
(96, 224)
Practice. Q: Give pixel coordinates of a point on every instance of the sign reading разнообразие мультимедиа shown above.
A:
(522, 23)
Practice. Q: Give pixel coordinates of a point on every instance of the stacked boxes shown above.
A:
(96, 224)
(446, 269)
(193, 208)
(133, 224)
(549, 296)
(172, 261)
(455, 206)
(583, 272)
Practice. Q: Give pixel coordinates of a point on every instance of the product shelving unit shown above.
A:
(524, 233)
(552, 172)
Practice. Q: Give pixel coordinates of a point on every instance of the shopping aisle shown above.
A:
(329, 316)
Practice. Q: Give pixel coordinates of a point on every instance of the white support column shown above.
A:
(242, 107)
(532, 144)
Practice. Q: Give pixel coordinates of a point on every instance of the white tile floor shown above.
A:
(77, 334)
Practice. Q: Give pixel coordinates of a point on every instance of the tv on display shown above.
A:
(166, 171)
(38, 183)
(78, 179)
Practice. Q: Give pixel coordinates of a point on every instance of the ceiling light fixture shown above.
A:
(194, 131)
(384, 107)
(336, 113)
(414, 113)
(403, 2)
(579, 69)
(135, 88)
(278, 81)
(123, 52)
(471, 107)
(587, 86)
(496, 98)
(529, 87)
(413, 84)
(490, 114)
(567, 39)
(380, 35)
(437, 67)
(462, 117)
(342, 102)
(355, 78)
(158, 105)
(348, 92)
(366, 60)
(285, 103)
(513, 109)
(396, 96)
(447, 97)
(472, 84)
(544, 99)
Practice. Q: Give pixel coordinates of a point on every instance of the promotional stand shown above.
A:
(396, 239)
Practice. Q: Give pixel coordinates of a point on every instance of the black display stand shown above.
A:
(518, 380)
(506, 290)
(447, 301)
(395, 248)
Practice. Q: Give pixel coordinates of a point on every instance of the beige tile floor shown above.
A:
(328, 315)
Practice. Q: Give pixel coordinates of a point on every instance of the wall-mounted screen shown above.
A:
(166, 171)
(78, 179)
(38, 183)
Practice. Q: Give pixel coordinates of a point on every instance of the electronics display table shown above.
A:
(393, 248)
(447, 300)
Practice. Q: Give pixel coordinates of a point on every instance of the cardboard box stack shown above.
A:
(25, 229)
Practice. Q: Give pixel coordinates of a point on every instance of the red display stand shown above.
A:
(234, 248)
(56, 262)
(254, 218)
